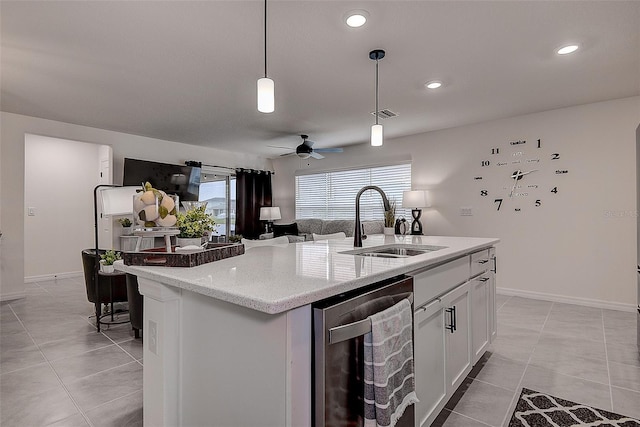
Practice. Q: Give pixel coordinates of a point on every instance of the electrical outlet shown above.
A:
(153, 337)
(466, 211)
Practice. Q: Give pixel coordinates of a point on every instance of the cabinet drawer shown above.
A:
(480, 262)
(430, 283)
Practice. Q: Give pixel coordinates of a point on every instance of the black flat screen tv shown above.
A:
(172, 179)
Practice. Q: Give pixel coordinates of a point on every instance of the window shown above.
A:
(218, 189)
(332, 195)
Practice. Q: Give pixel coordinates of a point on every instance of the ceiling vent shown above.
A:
(385, 114)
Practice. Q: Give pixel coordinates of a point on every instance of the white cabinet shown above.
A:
(457, 336)
(429, 354)
(453, 322)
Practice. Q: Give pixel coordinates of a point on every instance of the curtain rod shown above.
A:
(200, 164)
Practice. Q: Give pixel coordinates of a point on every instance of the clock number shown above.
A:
(555, 156)
(538, 203)
(495, 151)
(484, 193)
(538, 143)
(499, 202)
(555, 190)
(486, 163)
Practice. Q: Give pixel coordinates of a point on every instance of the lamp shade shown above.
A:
(117, 200)
(266, 95)
(377, 135)
(416, 199)
(269, 213)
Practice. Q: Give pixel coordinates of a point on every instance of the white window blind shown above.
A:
(332, 195)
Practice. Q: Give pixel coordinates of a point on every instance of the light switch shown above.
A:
(31, 211)
(466, 211)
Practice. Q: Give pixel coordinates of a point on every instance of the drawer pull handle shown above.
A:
(426, 306)
(483, 261)
(483, 279)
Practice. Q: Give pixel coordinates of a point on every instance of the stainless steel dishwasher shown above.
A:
(339, 325)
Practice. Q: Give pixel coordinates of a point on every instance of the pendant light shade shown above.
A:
(266, 95)
(377, 133)
(266, 87)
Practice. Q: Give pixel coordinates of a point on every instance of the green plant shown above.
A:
(125, 222)
(195, 223)
(235, 238)
(390, 215)
(110, 256)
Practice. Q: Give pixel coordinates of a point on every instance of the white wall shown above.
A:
(14, 127)
(579, 246)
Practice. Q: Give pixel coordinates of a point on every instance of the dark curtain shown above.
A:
(253, 191)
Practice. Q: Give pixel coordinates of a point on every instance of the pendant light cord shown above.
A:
(376, 91)
(265, 38)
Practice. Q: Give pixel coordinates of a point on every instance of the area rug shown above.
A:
(536, 409)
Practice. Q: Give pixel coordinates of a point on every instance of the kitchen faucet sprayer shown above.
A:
(357, 234)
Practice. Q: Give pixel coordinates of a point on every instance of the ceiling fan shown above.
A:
(306, 150)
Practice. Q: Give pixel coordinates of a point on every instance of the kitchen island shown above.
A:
(229, 343)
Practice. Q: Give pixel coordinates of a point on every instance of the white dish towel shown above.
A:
(389, 386)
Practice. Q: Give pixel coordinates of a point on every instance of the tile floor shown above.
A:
(582, 354)
(55, 370)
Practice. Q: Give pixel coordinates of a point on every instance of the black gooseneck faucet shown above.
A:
(357, 234)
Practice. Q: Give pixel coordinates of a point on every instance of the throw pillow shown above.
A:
(339, 235)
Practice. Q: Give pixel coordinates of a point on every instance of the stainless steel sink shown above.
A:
(394, 251)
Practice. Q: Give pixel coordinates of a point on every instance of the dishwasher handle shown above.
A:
(355, 329)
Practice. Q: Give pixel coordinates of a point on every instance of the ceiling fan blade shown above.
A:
(329, 150)
(279, 146)
(316, 155)
(286, 154)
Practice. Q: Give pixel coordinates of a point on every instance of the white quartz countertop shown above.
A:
(274, 279)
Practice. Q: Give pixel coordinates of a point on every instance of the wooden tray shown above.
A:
(159, 257)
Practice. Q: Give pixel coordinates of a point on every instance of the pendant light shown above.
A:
(266, 96)
(377, 134)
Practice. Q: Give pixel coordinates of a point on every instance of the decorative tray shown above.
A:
(159, 257)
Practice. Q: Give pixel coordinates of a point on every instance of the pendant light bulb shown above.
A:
(266, 95)
(266, 87)
(377, 135)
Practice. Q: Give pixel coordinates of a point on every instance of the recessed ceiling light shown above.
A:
(565, 50)
(356, 18)
(433, 84)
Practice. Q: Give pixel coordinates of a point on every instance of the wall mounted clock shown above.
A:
(520, 175)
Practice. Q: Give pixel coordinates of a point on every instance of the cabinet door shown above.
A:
(480, 298)
(457, 335)
(431, 387)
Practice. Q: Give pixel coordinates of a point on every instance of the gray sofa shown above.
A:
(306, 227)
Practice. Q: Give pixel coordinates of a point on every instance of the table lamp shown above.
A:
(415, 200)
(269, 214)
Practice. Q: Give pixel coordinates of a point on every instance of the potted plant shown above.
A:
(126, 226)
(107, 259)
(390, 218)
(195, 224)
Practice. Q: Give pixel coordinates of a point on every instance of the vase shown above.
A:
(188, 241)
(106, 268)
(154, 208)
(389, 231)
(126, 231)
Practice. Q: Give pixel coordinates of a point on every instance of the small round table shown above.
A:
(109, 277)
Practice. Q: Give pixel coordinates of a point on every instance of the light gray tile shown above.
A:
(502, 372)
(623, 353)
(484, 402)
(133, 347)
(514, 318)
(43, 408)
(514, 352)
(76, 420)
(576, 329)
(625, 376)
(17, 352)
(123, 412)
(626, 402)
(73, 368)
(95, 390)
(501, 300)
(72, 327)
(553, 343)
(74, 345)
(16, 385)
(119, 333)
(621, 334)
(566, 387)
(572, 364)
(616, 318)
(457, 420)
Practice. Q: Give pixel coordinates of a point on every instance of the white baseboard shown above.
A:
(568, 300)
(45, 277)
(11, 296)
